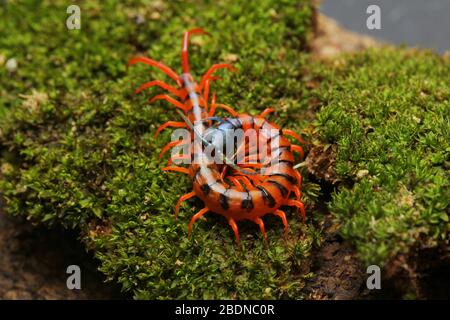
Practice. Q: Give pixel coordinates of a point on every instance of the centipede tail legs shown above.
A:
(185, 45)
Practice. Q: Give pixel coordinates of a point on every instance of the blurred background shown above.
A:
(417, 23)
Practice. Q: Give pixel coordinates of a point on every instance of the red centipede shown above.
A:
(263, 184)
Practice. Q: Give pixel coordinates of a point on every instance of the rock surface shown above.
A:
(331, 39)
(33, 261)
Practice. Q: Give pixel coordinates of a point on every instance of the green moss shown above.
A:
(83, 157)
(388, 113)
(76, 147)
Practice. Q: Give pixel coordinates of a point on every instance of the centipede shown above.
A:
(264, 183)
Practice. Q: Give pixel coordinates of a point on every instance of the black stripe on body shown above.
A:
(291, 179)
(224, 200)
(269, 164)
(268, 199)
(281, 148)
(286, 161)
(247, 203)
(284, 192)
(230, 122)
(280, 153)
(205, 189)
(274, 137)
(240, 122)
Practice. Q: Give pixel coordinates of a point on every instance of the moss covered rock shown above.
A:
(76, 144)
(387, 114)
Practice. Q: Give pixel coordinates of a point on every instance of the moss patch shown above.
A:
(388, 113)
(76, 147)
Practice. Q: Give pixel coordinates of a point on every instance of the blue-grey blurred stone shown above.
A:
(417, 23)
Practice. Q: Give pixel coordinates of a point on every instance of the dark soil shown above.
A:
(424, 273)
(338, 273)
(33, 263)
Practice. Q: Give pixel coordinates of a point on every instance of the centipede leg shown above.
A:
(169, 99)
(212, 109)
(298, 149)
(185, 45)
(297, 193)
(246, 182)
(179, 93)
(236, 183)
(213, 68)
(300, 206)
(288, 132)
(195, 217)
(224, 171)
(179, 157)
(282, 215)
(227, 108)
(251, 165)
(174, 124)
(206, 93)
(183, 198)
(299, 179)
(170, 145)
(260, 223)
(177, 169)
(172, 74)
(266, 112)
(234, 226)
(206, 90)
